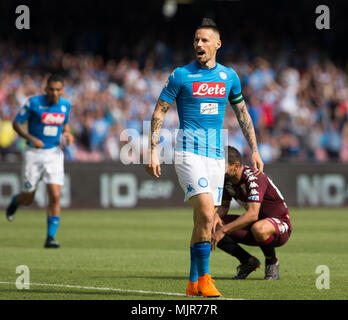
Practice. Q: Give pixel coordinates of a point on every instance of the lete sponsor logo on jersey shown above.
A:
(53, 118)
(209, 89)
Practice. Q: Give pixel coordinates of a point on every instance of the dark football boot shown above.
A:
(243, 270)
(11, 210)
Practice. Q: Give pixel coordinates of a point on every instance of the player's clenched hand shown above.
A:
(69, 138)
(257, 163)
(154, 168)
(37, 143)
(216, 237)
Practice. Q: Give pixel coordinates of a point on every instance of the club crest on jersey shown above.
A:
(53, 118)
(209, 89)
(223, 75)
(63, 108)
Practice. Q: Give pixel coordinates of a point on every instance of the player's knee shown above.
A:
(27, 200)
(54, 196)
(260, 231)
(205, 220)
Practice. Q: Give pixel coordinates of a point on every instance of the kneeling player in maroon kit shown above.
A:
(265, 223)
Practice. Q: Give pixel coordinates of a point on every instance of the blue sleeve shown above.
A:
(172, 87)
(235, 95)
(24, 114)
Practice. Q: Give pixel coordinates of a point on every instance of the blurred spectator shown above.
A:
(344, 149)
(7, 134)
(99, 131)
(331, 140)
(299, 110)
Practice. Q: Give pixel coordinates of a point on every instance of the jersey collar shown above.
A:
(52, 105)
(205, 68)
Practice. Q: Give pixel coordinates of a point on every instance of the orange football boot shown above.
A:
(192, 289)
(206, 287)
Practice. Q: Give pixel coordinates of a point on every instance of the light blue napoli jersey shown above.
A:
(201, 95)
(45, 121)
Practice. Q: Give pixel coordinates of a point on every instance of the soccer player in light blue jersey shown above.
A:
(48, 119)
(201, 90)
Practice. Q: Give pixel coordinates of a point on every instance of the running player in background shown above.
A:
(265, 223)
(48, 119)
(201, 90)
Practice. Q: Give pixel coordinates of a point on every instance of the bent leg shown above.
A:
(229, 243)
(263, 232)
(244, 235)
(25, 198)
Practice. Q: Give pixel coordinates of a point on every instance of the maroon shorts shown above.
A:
(245, 236)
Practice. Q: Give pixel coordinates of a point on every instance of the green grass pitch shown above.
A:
(143, 254)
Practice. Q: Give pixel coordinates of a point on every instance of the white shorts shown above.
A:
(199, 174)
(45, 164)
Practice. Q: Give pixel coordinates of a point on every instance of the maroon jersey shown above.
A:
(252, 188)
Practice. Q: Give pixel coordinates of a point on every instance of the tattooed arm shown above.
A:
(154, 168)
(157, 121)
(247, 127)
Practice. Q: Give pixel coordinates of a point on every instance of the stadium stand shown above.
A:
(296, 92)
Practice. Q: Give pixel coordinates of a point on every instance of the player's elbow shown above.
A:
(253, 215)
(15, 125)
(157, 114)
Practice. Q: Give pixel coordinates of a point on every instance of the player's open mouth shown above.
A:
(200, 53)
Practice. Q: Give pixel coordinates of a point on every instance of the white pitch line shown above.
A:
(107, 289)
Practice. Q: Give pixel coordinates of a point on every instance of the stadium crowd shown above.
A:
(299, 105)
